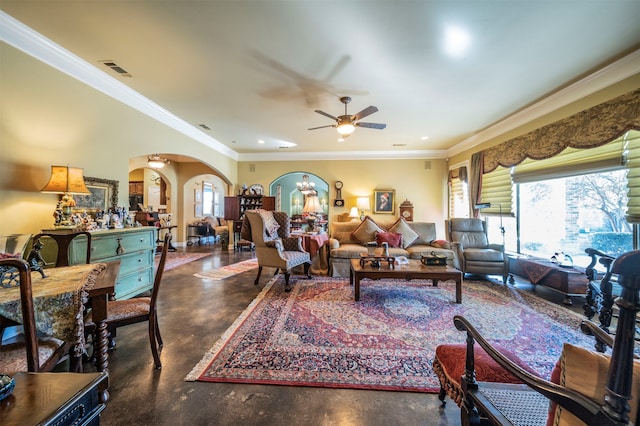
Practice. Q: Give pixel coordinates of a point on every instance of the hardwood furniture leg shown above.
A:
(99, 313)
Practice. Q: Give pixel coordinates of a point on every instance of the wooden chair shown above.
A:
(140, 309)
(586, 386)
(63, 242)
(275, 247)
(29, 352)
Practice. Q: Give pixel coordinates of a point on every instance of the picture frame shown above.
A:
(198, 210)
(384, 201)
(104, 195)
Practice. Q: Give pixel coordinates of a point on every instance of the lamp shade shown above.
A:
(312, 205)
(363, 203)
(66, 180)
(354, 212)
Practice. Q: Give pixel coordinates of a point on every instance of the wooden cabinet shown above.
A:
(133, 247)
(54, 399)
(234, 207)
(136, 188)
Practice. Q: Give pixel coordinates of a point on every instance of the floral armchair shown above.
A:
(275, 248)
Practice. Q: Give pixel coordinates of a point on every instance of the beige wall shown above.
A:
(48, 118)
(421, 181)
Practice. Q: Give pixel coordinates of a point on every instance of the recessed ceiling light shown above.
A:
(340, 139)
(260, 141)
(456, 41)
(424, 138)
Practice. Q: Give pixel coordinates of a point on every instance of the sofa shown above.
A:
(347, 240)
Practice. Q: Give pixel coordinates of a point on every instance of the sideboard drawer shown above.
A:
(131, 285)
(135, 261)
(108, 246)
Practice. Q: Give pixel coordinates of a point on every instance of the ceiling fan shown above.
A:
(346, 124)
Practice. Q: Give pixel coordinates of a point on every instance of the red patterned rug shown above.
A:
(316, 335)
(175, 259)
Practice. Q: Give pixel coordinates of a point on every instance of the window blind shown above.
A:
(632, 152)
(456, 198)
(497, 189)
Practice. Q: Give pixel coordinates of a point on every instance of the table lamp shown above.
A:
(353, 214)
(68, 181)
(363, 204)
(312, 207)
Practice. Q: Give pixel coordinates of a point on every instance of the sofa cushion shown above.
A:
(483, 255)
(341, 232)
(366, 231)
(394, 239)
(271, 225)
(426, 232)
(409, 236)
(586, 371)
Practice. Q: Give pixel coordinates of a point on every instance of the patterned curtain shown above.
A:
(591, 128)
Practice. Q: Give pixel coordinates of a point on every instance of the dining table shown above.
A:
(60, 299)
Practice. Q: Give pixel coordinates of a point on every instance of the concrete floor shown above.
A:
(193, 315)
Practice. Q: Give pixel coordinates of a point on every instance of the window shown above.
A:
(458, 198)
(573, 213)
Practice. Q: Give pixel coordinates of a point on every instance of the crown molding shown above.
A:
(343, 155)
(619, 70)
(20, 36)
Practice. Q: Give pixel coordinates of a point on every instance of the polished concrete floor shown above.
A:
(193, 314)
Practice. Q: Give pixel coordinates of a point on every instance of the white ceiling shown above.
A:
(257, 70)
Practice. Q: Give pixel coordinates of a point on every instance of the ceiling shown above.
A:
(256, 70)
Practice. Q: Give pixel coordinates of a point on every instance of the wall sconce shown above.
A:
(363, 204)
(323, 203)
(296, 206)
(68, 181)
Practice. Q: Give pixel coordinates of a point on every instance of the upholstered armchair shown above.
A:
(275, 248)
(473, 253)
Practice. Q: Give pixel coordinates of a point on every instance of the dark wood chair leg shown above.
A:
(307, 266)
(258, 277)
(158, 336)
(154, 344)
(287, 287)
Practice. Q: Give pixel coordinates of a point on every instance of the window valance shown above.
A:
(591, 128)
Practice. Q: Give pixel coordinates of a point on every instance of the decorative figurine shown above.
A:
(35, 259)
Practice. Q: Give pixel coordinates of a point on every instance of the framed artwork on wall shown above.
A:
(197, 195)
(198, 210)
(385, 200)
(104, 195)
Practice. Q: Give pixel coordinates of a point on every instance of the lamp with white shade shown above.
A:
(353, 214)
(363, 204)
(313, 207)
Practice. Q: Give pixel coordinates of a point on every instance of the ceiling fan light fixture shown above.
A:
(345, 129)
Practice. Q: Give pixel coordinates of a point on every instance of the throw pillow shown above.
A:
(440, 244)
(394, 239)
(586, 371)
(271, 225)
(366, 231)
(408, 234)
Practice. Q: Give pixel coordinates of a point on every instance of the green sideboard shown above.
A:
(133, 247)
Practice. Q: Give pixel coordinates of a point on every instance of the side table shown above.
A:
(53, 399)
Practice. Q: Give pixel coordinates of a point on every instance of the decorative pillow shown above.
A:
(9, 256)
(394, 239)
(586, 371)
(271, 225)
(440, 244)
(408, 234)
(366, 231)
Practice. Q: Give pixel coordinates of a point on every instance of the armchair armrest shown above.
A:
(333, 244)
(497, 247)
(585, 409)
(277, 244)
(293, 244)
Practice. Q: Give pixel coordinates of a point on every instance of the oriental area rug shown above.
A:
(175, 259)
(229, 270)
(317, 335)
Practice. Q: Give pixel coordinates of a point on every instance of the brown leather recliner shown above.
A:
(473, 253)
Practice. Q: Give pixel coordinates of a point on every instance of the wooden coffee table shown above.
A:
(413, 270)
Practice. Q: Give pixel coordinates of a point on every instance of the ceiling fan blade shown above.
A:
(322, 127)
(371, 125)
(367, 111)
(326, 115)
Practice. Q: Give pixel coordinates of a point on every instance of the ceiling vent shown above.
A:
(116, 68)
(204, 126)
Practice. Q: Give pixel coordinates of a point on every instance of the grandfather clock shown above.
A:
(406, 210)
